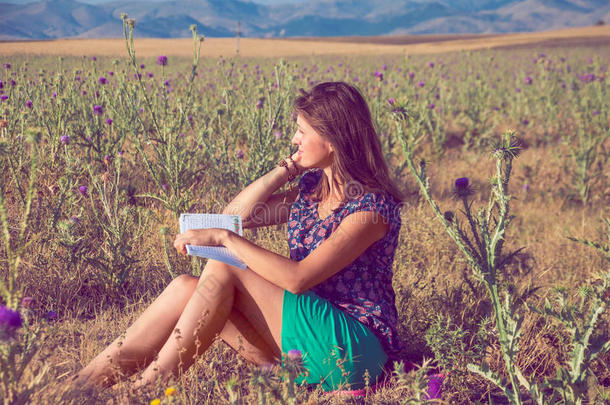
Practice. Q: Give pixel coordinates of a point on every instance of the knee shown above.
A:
(183, 284)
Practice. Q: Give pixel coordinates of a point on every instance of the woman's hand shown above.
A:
(200, 237)
(296, 158)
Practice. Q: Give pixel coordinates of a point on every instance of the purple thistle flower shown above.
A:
(190, 118)
(54, 95)
(98, 110)
(162, 60)
(7, 65)
(9, 319)
(526, 122)
(411, 75)
(29, 104)
(240, 154)
(421, 83)
(13, 83)
(384, 67)
(93, 58)
(588, 78)
(51, 316)
(110, 73)
(277, 135)
(435, 386)
(65, 139)
(109, 121)
(595, 112)
(518, 89)
(137, 76)
(1, 84)
(378, 75)
(102, 80)
(142, 66)
(4, 97)
(166, 83)
(391, 101)
(461, 183)
(431, 106)
(356, 79)
(294, 354)
(431, 64)
(259, 103)
(83, 190)
(150, 75)
(528, 80)
(76, 78)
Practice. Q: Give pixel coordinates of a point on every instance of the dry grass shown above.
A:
(250, 47)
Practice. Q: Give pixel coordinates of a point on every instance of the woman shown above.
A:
(332, 299)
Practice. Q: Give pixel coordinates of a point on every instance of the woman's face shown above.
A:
(314, 151)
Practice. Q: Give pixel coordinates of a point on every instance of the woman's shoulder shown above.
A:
(378, 201)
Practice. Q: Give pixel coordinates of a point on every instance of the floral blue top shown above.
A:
(363, 289)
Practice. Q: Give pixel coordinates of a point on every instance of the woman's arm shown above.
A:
(256, 204)
(356, 233)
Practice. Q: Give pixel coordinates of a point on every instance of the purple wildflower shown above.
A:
(277, 135)
(356, 79)
(384, 67)
(102, 80)
(431, 106)
(461, 183)
(9, 319)
(378, 75)
(421, 83)
(150, 75)
(84, 190)
(162, 60)
(240, 154)
(435, 386)
(110, 73)
(137, 76)
(51, 316)
(526, 122)
(431, 64)
(588, 78)
(294, 354)
(13, 83)
(595, 112)
(166, 83)
(65, 139)
(411, 75)
(109, 121)
(142, 66)
(259, 103)
(391, 101)
(528, 80)
(98, 110)
(54, 95)
(1, 84)
(93, 58)
(4, 97)
(29, 104)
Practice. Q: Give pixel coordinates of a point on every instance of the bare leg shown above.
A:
(143, 339)
(220, 289)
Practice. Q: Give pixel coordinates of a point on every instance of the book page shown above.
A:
(205, 221)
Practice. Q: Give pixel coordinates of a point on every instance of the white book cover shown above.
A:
(205, 221)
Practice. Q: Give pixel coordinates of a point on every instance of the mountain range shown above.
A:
(51, 19)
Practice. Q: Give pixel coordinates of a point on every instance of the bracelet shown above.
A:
(284, 163)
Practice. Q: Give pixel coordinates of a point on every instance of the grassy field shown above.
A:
(164, 142)
(274, 48)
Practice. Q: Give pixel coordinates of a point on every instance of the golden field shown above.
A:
(252, 47)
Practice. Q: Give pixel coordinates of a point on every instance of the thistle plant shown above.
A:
(483, 247)
(16, 243)
(120, 226)
(169, 159)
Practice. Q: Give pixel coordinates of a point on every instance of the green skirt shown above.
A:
(336, 348)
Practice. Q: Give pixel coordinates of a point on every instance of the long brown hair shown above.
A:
(339, 113)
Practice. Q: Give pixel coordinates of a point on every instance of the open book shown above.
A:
(204, 221)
